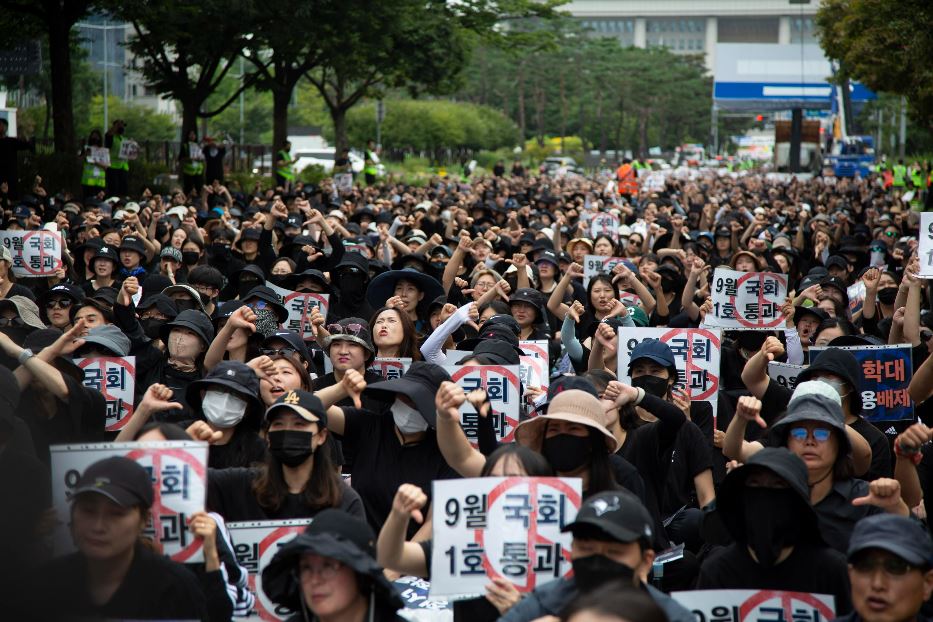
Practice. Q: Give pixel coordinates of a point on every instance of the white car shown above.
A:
(321, 157)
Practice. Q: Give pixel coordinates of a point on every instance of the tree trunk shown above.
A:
(281, 96)
(63, 122)
(338, 115)
(189, 117)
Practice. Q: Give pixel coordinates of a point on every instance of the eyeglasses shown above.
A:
(820, 435)
(277, 351)
(258, 304)
(327, 570)
(203, 289)
(892, 566)
(890, 234)
(348, 329)
(61, 303)
(12, 321)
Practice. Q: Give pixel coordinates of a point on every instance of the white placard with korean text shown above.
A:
(925, 250)
(757, 605)
(115, 378)
(746, 300)
(503, 387)
(390, 368)
(35, 253)
(535, 365)
(299, 306)
(594, 264)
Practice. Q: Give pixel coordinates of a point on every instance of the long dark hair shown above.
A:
(599, 278)
(409, 346)
(534, 464)
(601, 474)
(322, 491)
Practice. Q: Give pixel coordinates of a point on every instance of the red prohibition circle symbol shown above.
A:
(485, 372)
(199, 469)
(762, 300)
(689, 364)
(533, 536)
(56, 263)
(103, 362)
(786, 599)
(270, 540)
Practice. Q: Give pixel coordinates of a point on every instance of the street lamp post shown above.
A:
(104, 64)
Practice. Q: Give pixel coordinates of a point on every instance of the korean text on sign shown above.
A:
(255, 543)
(505, 527)
(925, 250)
(604, 223)
(785, 374)
(503, 387)
(746, 300)
(35, 253)
(757, 606)
(179, 483)
(115, 378)
(696, 350)
(535, 365)
(886, 373)
(390, 368)
(299, 306)
(594, 264)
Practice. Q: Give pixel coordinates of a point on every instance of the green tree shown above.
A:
(142, 123)
(55, 18)
(885, 44)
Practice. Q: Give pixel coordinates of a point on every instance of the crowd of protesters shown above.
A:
(783, 490)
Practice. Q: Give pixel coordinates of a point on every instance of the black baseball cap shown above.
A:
(419, 384)
(496, 350)
(618, 514)
(841, 363)
(902, 536)
(120, 479)
(306, 405)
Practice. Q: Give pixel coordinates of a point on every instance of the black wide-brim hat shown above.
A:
(419, 384)
(383, 286)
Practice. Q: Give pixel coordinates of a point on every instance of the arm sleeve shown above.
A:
(670, 417)
(337, 249)
(125, 319)
(568, 338)
(486, 435)
(794, 348)
(431, 350)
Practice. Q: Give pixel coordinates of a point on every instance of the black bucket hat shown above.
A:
(840, 363)
(238, 377)
(104, 252)
(495, 350)
(164, 304)
(133, 243)
(271, 298)
(291, 281)
(193, 320)
(251, 269)
(353, 260)
(813, 407)
(419, 384)
(339, 536)
(383, 286)
(532, 297)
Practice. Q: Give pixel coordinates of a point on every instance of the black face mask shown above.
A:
(17, 334)
(190, 257)
(277, 279)
(591, 572)
(352, 283)
(186, 304)
(290, 447)
(653, 385)
(772, 521)
(887, 295)
(567, 453)
(219, 251)
(244, 288)
(152, 327)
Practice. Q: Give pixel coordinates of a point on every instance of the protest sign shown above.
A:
(503, 386)
(535, 366)
(501, 527)
(129, 150)
(35, 253)
(886, 373)
(179, 483)
(925, 250)
(856, 293)
(415, 594)
(746, 300)
(757, 605)
(785, 374)
(255, 543)
(390, 368)
(343, 182)
(299, 306)
(604, 223)
(195, 152)
(99, 156)
(115, 378)
(696, 350)
(594, 264)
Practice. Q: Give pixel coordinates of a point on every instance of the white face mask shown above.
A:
(408, 420)
(222, 409)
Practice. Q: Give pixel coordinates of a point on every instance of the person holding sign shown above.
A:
(191, 159)
(297, 479)
(94, 173)
(612, 536)
(764, 506)
(329, 573)
(113, 574)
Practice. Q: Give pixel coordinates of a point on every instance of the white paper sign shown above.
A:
(35, 253)
(604, 223)
(299, 306)
(757, 605)
(747, 300)
(696, 350)
(255, 543)
(179, 483)
(390, 368)
(785, 374)
(343, 182)
(115, 378)
(503, 386)
(594, 264)
(925, 251)
(129, 150)
(501, 527)
(99, 156)
(535, 366)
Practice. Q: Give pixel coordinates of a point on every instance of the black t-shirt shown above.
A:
(244, 451)
(80, 419)
(809, 568)
(383, 464)
(155, 587)
(230, 494)
(343, 449)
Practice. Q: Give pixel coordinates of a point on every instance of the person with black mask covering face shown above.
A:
(297, 479)
(764, 506)
(612, 537)
(156, 311)
(350, 277)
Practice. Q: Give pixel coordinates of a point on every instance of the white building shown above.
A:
(696, 26)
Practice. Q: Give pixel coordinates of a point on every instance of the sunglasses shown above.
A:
(892, 566)
(12, 321)
(61, 303)
(349, 329)
(283, 351)
(890, 234)
(258, 304)
(820, 435)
